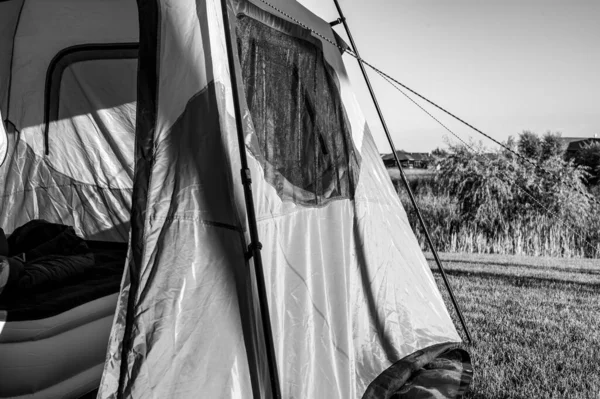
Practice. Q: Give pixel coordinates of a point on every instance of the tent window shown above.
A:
(303, 137)
(72, 55)
(91, 115)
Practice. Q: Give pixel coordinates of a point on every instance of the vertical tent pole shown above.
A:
(255, 245)
(342, 19)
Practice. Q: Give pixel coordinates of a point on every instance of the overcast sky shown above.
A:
(504, 66)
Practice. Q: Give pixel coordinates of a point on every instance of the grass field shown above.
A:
(395, 173)
(536, 323)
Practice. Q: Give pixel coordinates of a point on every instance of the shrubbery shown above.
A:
(589, 157)
(495, 203)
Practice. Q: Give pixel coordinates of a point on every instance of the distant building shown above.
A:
(422, 159)
(574, 144)
(409, 160)
(405, 160)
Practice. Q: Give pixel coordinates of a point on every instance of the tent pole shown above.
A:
(342, 19)
(255, 245)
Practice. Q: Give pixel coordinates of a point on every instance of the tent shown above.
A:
(121, 122)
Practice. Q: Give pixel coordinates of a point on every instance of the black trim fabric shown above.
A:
(8, 124)
(146, 115)
(400, 380)
(72, 55)
(342, 45)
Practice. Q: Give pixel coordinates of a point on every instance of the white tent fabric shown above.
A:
(143, 147)
(3, 141)
(350, 291)
(9, 12)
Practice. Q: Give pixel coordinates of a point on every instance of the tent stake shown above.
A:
(255, 245)
(402, 175)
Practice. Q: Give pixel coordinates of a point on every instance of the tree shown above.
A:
(439, 152)
(552, 146)
(511, 145)
(539, 149)
(529, 145)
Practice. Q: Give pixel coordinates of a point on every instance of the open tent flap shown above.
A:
(70, 97)
(350, 291)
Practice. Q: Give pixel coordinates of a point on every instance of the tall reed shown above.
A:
(523, 230)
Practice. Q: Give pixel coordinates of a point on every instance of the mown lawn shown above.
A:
(536, 323)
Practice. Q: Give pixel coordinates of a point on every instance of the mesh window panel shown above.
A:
(94, 125)
(303, 135)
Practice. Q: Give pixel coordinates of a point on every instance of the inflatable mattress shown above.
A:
(55, 318)
(60, 356)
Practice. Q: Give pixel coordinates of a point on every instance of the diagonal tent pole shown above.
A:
(255, 245)
(342, 20)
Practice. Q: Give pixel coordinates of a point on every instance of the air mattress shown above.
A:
(56, 309)
(60, 356)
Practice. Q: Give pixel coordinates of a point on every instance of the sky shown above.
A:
(503, 66)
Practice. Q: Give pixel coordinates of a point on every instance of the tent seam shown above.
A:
(62, 186)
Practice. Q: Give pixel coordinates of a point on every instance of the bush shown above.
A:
(589, 157)
(493, 203)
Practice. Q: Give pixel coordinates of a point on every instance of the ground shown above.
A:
(410, 173)
(535, 322)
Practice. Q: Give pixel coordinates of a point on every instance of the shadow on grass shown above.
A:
(521, 265)
(475, 395)
(526, 281)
